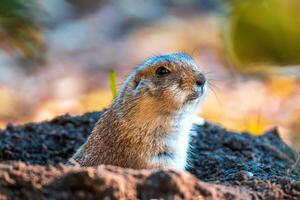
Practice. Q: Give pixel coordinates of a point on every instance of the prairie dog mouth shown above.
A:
(199, 92)
(188, 96)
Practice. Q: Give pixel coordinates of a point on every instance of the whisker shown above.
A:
(224, 79)
(211, 75)
(217, 78)
(213, 79)
(215, 94)
(213, 85)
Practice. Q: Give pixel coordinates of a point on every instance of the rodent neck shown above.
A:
(146, 116)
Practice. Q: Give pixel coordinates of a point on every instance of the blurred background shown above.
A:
(55, 56)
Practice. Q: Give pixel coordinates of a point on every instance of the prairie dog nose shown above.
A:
(200, 80)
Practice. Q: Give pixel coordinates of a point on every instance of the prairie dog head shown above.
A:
(163, 85)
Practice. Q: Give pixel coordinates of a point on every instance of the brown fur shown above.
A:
(131, 132)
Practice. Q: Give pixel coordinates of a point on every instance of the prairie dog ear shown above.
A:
(140, 85)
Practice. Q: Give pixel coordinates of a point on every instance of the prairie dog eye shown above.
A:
(162, 71)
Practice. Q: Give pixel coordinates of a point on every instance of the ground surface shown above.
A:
(229, 166)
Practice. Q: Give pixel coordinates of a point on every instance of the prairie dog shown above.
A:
(148, 124)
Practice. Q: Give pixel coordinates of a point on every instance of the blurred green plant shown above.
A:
(113, 83)
(262, 34)
(19, 28)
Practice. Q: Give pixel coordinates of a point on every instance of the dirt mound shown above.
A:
(236, 166)
(21, 181)
(47, 142)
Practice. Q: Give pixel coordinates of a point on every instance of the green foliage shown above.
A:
(264, 32)
(113, 83)
(19, 28)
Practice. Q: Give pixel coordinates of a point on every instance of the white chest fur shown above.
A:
(178, 141)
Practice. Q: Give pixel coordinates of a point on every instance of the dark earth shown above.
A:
(228, 165)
